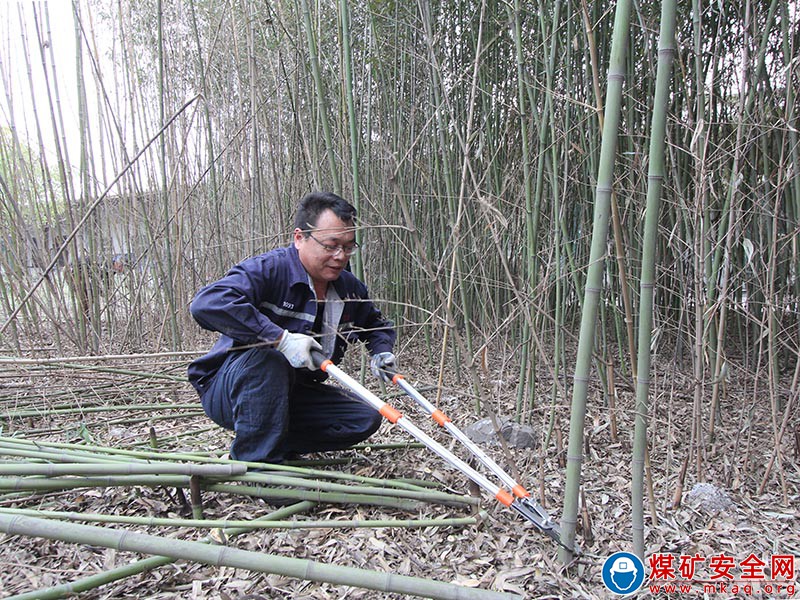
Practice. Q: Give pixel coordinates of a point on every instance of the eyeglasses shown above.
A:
(334, 250)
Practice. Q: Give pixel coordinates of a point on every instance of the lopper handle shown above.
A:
(389, 373)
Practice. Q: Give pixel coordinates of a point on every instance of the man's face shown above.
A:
(321, 264)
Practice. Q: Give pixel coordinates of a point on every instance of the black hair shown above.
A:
(314, 203)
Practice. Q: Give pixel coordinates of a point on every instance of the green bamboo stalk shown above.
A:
(701, 264)
(278, 480)
(242, 559)
(549, 114)
(67, 483)
(731, 212)
(619, 242)
(95, 581)
(94, 453)
(594, 279)
(656, 170)
(793, 204)
(53, 456)
(9, 484)
(76, 461)
(321, 489)
(254, 176)
(148, 564)
(321, 98)
(85, 469)
(209, 129)
(54, 106)
(249, 523)
(90, 284)
(527, 366)
(169, 290)
(347, 59)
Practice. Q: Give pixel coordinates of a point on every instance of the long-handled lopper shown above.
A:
(523, 503)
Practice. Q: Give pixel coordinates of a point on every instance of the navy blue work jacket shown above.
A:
(262, 296)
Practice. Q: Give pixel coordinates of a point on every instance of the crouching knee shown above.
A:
(372, 423)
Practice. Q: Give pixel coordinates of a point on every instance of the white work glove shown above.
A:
(296, 347)
(381, 361)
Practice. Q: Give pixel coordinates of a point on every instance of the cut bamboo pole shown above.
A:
(66, 452)
(242, 559)
(369, 497)
(148, 564)
(250, 524)
(84, 469)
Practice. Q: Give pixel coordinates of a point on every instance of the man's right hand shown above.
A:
(296, 347)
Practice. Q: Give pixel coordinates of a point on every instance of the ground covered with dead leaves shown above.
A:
(750, 505)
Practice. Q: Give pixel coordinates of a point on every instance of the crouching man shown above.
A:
(272, 310)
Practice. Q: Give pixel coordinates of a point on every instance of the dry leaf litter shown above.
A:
(723, 513)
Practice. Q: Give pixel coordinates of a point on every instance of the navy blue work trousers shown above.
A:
(275, 411)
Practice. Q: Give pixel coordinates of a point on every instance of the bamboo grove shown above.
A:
(468, 133)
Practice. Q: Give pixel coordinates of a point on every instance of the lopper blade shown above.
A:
(533, 512)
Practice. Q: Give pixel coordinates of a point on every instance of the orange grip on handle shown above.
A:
(520, 492)
(392, 414)
(504, 498)
(440, 417)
